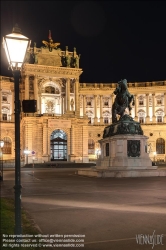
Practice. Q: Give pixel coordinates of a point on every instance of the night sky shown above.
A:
(116, 39)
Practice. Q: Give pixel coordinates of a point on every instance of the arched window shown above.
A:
(50, 90)
(7, 148)
(160, 146)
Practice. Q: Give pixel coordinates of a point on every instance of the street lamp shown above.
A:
(16, 45)
(1, 155)
(26, 152)
(98, 152)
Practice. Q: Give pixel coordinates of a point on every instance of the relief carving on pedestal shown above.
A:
(133, 148)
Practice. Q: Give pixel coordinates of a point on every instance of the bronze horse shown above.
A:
(122, 101)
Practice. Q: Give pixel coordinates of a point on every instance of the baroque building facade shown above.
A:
(71, 116)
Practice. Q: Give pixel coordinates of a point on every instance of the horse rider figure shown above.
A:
(122, 101)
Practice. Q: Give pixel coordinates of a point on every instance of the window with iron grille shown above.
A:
(159, 101)
(7, 148)
(4, 117)
(160, 146)
(4, 98)
(105, 103)
(107, 149)
(141, 119)
(159, 119)
(141, 102)
(91, 146)
(106, 120)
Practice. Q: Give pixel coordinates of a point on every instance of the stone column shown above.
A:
(95, 109)
(68, 94)
(84, 104)
(165, 107)
(147, 109)
(153, 108)
(101, 109)
(27, 87)
(36, 92)
(76, 96)
(136, 107)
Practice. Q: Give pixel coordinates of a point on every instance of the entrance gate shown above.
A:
(58, 146)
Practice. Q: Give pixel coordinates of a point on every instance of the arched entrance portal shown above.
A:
(58, 145)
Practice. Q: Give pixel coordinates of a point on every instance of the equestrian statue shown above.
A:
(122, 101)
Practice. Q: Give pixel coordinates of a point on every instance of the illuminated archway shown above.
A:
(58, 145)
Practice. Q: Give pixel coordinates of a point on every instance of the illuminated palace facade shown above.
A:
(71, 116)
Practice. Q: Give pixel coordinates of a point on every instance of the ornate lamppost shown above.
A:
(1, 156)
(16, 45)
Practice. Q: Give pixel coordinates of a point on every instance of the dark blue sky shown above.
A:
(115, 39)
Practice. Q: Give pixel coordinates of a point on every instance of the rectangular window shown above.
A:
(141, 119)
(7, 148)
(106, 103)
(106, 120)
(4, 98)
(107, 149)
(4, 117)
(141, 102)
(159, 119)
(159, 102)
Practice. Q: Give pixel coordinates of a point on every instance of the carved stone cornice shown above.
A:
(51, 70)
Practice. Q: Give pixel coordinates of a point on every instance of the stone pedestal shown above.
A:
(124, 146)
(124, 152)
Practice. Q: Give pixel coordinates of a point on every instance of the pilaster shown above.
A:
(165, 107)
(76, 97)
(147, 109)
(136, 108)
(72, 144)
(153, 108)
(45, 138)
(85, 157)
(68, 94)
(95, 109)
(36, 91)
(101, 110)
(39, 141)
(27, 87)
(62, 105)
(84, 104)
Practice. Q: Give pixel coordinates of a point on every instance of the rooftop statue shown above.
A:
(122, 101)
(50, 44)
